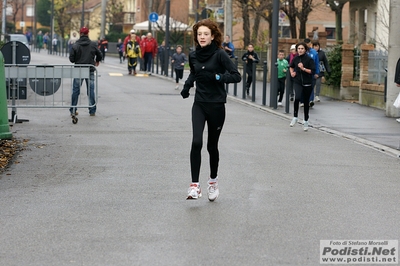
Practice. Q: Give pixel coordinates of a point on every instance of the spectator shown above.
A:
(149, 50)
(39, 40)
(228, 46)
(161, 56)
(302, 69)
(54, 43)
(132, 54)
(74, 37)
(314, 55)
(103, 47)
(178, 60)
(84, 51)
(45, 40)
(128, 38)
(289, 79)
(397, 80)
(282, 65)
(120, 47)
(315, 34)
(249, 57)
(323, 67)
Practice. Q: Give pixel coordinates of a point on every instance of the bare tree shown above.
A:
(115, 12)
(383, 20)
(291, 12)
(337, 7)
(62, 17)
(244, 6)
(158, 6)
(302, 15)
(261, 10)
(17, 8)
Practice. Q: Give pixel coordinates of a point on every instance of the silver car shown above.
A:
(17, 37)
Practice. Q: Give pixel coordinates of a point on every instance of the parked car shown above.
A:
(17, 37)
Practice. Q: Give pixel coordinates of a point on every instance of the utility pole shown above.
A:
(83, 14)
(228, 18)
(274, 54)
(3, 19)
(167, 47)
(150, 10)
(103, 18)
(50, 41)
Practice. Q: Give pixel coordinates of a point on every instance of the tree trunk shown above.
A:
(290, 11)
(338, 23)
(246, 23)
(302, 31)
(256, 26)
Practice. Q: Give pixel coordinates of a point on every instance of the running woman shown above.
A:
(302, 69)
(210, 68)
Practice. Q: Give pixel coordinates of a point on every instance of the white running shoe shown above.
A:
(398, 119)
(213, 191)
(194, 191)
(305, 126)
(302, 105)
(317, 99)
(294, 121)
(280, 104)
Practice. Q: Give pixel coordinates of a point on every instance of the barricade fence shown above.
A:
(49, 86)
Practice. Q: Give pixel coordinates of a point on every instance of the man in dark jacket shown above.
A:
(249, 57)
(323, 67)
(84, 52)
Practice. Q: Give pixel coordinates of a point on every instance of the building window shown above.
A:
(330, 33)
(9, 10)
(284, 31)
(30, 11)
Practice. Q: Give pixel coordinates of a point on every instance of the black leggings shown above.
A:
(178, 74)
(281, 88)
(301, 92)
(214, 114)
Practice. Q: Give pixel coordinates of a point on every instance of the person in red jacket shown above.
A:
(149, 48)
(127, 39)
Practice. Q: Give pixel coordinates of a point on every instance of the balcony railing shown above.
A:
(129, 18)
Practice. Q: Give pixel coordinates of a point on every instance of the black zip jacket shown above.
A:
(84, 51)
(324, 61)
(213, 90)
(249, 62)
(302, 77)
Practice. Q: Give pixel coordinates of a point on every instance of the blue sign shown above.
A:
(153, 17)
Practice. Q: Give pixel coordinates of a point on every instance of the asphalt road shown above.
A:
(111, 189)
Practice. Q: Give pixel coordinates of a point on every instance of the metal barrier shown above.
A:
(51, 86)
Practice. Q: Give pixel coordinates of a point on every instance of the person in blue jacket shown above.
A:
(210, 67)
(314, 55)
(228, 46)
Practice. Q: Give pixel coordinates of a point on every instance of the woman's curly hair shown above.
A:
(213, 26)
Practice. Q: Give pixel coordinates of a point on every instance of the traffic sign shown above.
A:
(153, 17)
